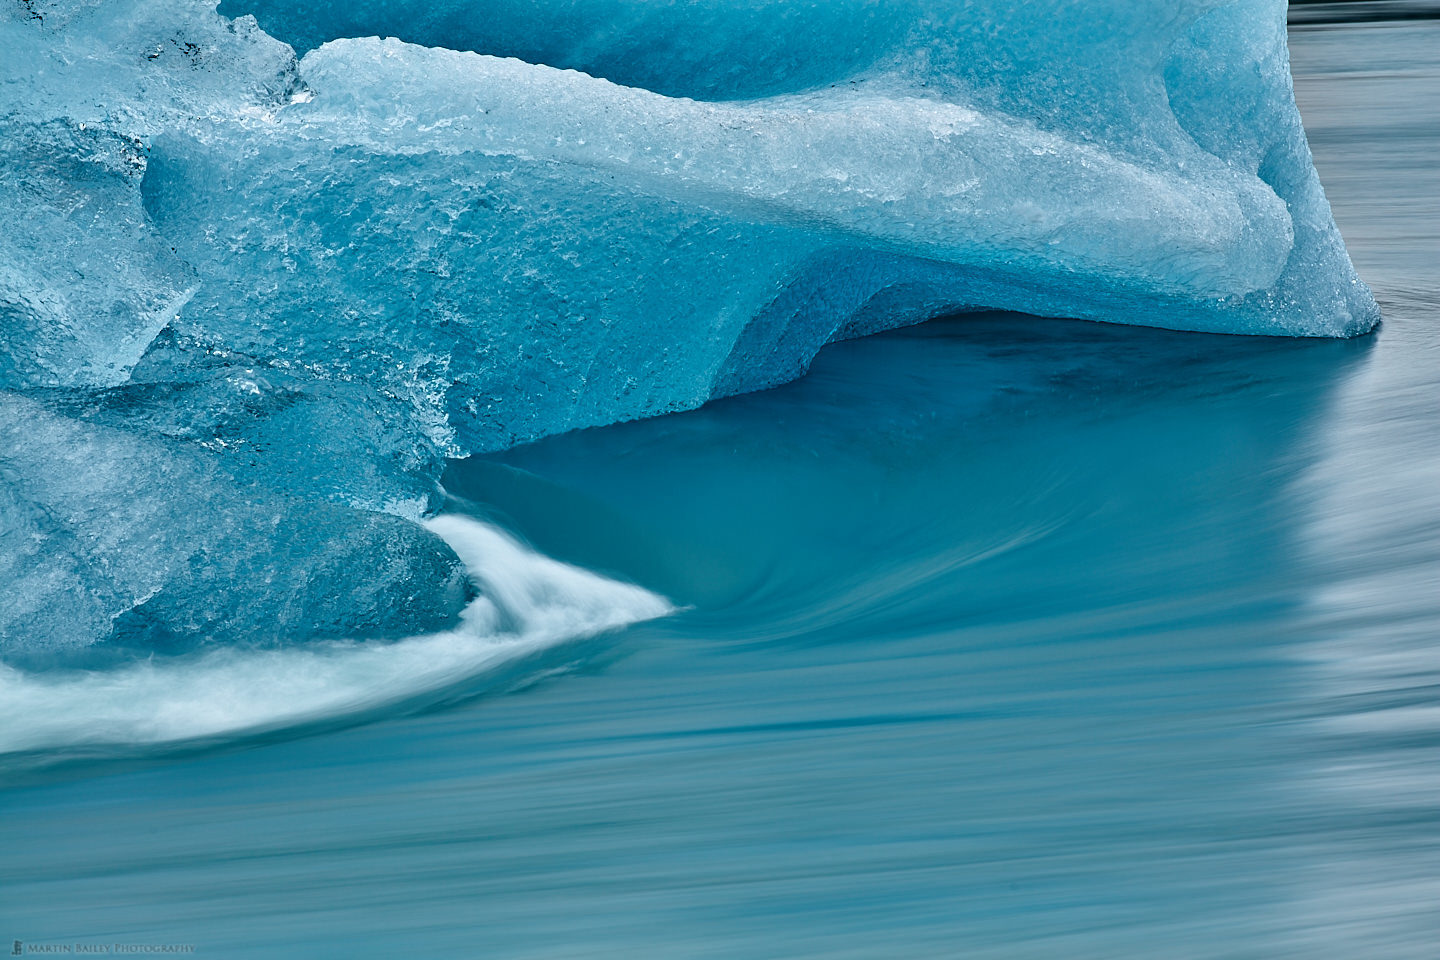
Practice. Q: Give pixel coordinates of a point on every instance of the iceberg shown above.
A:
(250, 301)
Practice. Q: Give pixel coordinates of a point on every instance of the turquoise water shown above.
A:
(997, 637)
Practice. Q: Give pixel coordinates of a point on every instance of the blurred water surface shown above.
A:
(1002, 637)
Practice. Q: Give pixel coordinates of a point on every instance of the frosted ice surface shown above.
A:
(301, 283)
(123, 542)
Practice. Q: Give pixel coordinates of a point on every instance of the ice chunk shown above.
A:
(89, 284)
(575, 252)
(140, 65)
(85, 283)
(111, 541)
(303, 283)
(1123, 80)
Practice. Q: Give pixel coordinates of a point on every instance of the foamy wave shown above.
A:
(528, 601)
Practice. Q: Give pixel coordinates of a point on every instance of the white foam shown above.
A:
(528, 601)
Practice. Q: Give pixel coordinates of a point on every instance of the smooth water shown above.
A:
(998, 637)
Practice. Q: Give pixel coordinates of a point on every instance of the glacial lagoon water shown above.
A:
(994, 637)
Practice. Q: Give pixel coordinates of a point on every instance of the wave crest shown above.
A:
(528, 602)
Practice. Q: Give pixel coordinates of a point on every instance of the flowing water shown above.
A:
(992, 637)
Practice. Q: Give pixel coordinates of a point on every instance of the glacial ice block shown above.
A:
(113, 541)
(312, 279)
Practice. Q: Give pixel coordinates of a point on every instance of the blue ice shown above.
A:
(249, 302)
